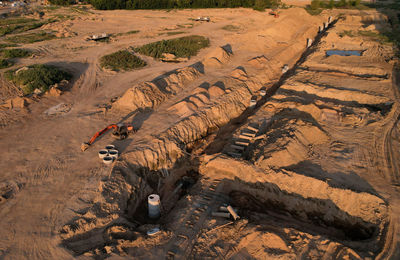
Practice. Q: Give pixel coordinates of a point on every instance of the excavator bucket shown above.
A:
(84, 146)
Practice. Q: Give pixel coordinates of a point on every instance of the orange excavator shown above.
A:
(121, 131)
(275, 13)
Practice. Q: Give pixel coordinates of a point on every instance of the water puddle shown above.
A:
(343, 53)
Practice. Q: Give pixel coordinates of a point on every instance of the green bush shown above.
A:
(231, 28)
(121, 60)
(31, 37)
(183, 47)
(15, 53)
(317, 6)
(261, 5)
(37, 76)
(4, 63)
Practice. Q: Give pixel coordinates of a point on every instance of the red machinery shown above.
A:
(120, 132)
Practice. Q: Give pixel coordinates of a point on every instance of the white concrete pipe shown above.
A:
(233, 212)
(320, 29)
(263, 92)
(309, 42)
(108, 160)
(154, 206)
(329, 19)
(285, 68)
(113, 153)
(110, 147)
(325, 25)
(103, 153)
(253, 103)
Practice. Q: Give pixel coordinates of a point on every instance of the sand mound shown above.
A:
(218, 57)
(215, 91)
(259, 62)
(151, 94)
(239, 74)
(292, 139)
(260, 245)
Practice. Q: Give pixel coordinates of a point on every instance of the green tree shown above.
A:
(315, 4)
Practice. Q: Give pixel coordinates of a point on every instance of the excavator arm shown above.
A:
(129, 128)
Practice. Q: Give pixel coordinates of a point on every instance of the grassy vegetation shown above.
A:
(128, 33)
(231, 28)
(348, 33)
(121, 60)
(183, 47)
(174, 33)
(15, 53)
(5, 45)
(317, 6)
(383, 38)
(10, 21)
(18, 28)
(37, 77)
(4, 63)
(31, 37)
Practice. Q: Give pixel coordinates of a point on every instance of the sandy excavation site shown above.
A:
(303, 145)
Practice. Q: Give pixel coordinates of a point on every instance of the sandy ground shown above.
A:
(315, 177)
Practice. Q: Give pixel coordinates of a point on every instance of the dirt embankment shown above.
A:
(202, 112)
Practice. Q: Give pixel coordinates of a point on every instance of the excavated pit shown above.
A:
(194, 186)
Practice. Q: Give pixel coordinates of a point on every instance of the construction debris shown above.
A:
(203, 19)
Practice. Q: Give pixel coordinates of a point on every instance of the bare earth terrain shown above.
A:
(312, 169)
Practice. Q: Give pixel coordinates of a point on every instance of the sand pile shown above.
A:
(290, 141)
(151, 94)
(218, 57)
(203, 95)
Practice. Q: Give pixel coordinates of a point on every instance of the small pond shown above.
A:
(343, 53)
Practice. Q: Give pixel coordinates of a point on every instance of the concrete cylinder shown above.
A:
(325, 25)
(154, 205)
(320, 29)
(309, 42)
(233, 212)
(329, 19)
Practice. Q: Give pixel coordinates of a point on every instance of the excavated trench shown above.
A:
(122, 208)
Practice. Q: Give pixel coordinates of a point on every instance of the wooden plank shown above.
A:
(235, 155)
(249, 134)
(252, 128)
(242, 143)
(260, 137)
(241, 148)
(245, 137)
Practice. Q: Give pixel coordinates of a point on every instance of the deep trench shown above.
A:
(356, 229)
(185, 170)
